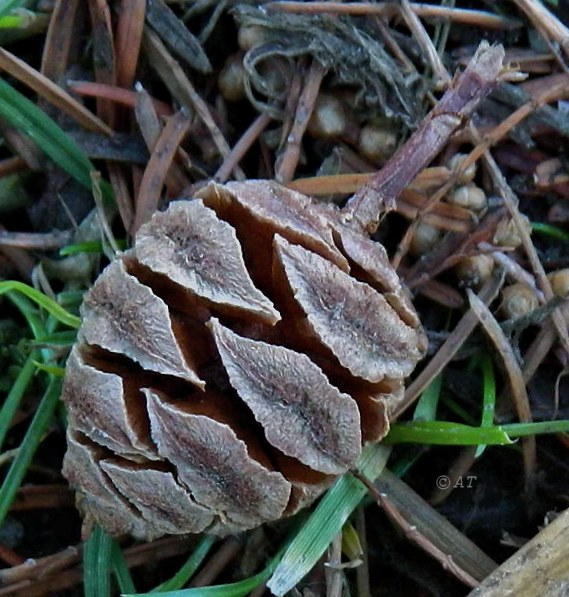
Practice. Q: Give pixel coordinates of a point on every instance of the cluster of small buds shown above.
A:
(333, 115)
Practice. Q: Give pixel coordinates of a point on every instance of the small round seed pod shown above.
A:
(507, 234)
(250, 36)
(518, 300)
(328, 119)
(424, 239)
(377, 142)
(231, 79)
(465, 176)
(559, 281)
(474, 271)
(468, 196)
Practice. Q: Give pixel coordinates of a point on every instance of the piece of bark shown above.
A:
(451, 112)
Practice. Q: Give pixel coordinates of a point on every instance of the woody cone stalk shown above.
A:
(233, 362)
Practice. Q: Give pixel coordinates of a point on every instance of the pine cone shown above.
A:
(232, 363)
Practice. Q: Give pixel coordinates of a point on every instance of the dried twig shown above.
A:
(104, 50)
(157, 168)
(182, 89)
(286, 165)
(129, 39)
(241, 147)
(504, 190)
(226, 553)
(334, 574)
(362, 571)
(51, 92)
(442, 78)
(456, 105)
(390, 9)
(414, 534)
(126, 97)
(52, 574)
(545, 21)
(63, 27)
(151, 129)
(540, 567)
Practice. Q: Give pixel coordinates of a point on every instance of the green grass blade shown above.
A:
(445, 433)
(489, 397)
(29, 445)
(426, 409)
(97, 564)
(189, 568)
(326, 522)
(60, 339)
(7, 6)
(88, 247)
(41, 300)
(120, 570)
(50, 369)
(29, 311)
(516, 430)
(236, 589)
(551, 231)
(14, 397)
(24, 115)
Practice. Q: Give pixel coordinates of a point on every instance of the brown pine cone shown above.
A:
(232, 364)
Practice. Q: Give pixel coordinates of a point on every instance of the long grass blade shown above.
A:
(445, 433)
(120, 569)
(489, 397)
(34, 435)
(6, 6)
(236, 589)
(426, 409)
(14, 397)
(97, 564)
(326, 522)
(189, 568)
(41, 300)
(25, 116)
